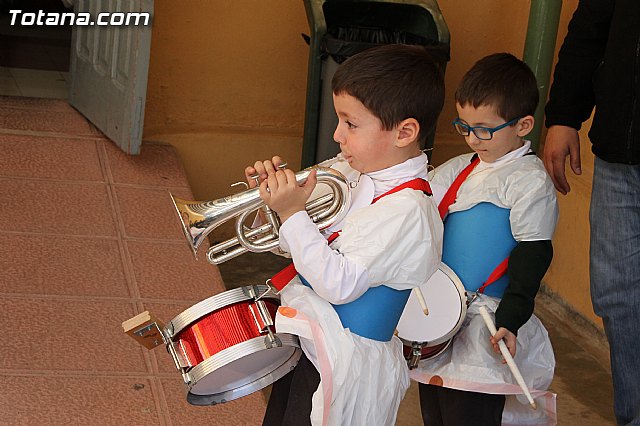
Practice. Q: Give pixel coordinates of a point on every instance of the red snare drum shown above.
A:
(226, 346)
(427, 336)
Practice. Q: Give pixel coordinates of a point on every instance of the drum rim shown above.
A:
(235, 353)
(463, 310)
(211, 304)
(463, 298)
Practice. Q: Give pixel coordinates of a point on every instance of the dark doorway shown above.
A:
(33, 46)
(34, 59)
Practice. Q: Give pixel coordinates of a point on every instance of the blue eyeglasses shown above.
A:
(482, 133)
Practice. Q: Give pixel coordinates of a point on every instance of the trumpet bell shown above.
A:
(199, 218)
(190, 220)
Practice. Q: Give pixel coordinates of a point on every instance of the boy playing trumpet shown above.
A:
(351, 282)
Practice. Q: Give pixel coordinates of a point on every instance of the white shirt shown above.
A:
(515, 181)
(396, 242)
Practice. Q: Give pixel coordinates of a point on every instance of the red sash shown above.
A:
(443, 208)
(282, 278)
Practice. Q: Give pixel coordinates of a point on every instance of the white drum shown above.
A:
(428, 335)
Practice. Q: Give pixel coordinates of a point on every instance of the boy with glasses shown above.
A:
(500, 212)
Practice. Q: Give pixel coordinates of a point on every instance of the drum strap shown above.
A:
(282, 278)
(497, 273)
(450, 197)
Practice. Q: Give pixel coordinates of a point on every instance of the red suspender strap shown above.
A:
(418, 184)
(450, 196)
(282, 278)
(497, 273)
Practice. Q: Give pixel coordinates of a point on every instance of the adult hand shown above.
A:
(560, 142)
(509, 340)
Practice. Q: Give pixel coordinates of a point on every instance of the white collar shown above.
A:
(389, 178)
(511, 155)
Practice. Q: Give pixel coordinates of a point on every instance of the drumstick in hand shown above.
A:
(507, 356)
(420, 297)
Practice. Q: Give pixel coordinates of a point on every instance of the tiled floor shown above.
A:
(34, 83)
(88, 239)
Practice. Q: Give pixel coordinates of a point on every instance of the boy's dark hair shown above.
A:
(503, 81)
(394, 82)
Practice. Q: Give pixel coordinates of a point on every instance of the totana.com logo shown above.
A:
(41, 18)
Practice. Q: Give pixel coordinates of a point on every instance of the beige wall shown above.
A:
(568, 276)
(227, 85)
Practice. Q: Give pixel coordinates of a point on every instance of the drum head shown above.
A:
(241, 370)
(446, 302)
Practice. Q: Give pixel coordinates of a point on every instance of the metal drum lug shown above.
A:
(261, 316)
(272, 341)
(416, 355)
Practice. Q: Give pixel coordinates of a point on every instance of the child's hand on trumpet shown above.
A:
(259, 172)
(279, 188)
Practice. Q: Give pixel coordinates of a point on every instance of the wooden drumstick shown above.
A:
(507, 356)
(420, 297)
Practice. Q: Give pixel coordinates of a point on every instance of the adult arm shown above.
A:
(571, 97)
(560, 142)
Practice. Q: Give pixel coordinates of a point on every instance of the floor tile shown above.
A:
(8, 86)
(149, 212)
(62, 400)
(31, 156)
(241, 412)
(56, 88)
(46, 121)
(158, 165)
(63, 266)
(169, 271)
(40, 83)
(65, 335)
(251, 268)
(20, 102)
(56, 207)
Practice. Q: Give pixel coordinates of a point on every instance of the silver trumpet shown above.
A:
(199, 218)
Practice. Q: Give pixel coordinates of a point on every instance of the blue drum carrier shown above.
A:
(373, 315)
(476, 241)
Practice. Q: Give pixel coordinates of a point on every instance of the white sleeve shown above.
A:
(333, 276)
(534, 206)
(396, 242)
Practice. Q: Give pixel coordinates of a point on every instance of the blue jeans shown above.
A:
(615, 277)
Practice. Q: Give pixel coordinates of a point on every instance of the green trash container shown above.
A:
(342, 28)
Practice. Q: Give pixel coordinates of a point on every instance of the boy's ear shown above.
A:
(525, 125)
(408, 130)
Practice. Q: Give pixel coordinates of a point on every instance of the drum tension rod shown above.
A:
(416, 354)
(262, 317)
(264, 322)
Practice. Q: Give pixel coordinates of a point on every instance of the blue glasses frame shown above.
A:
(465, 129)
